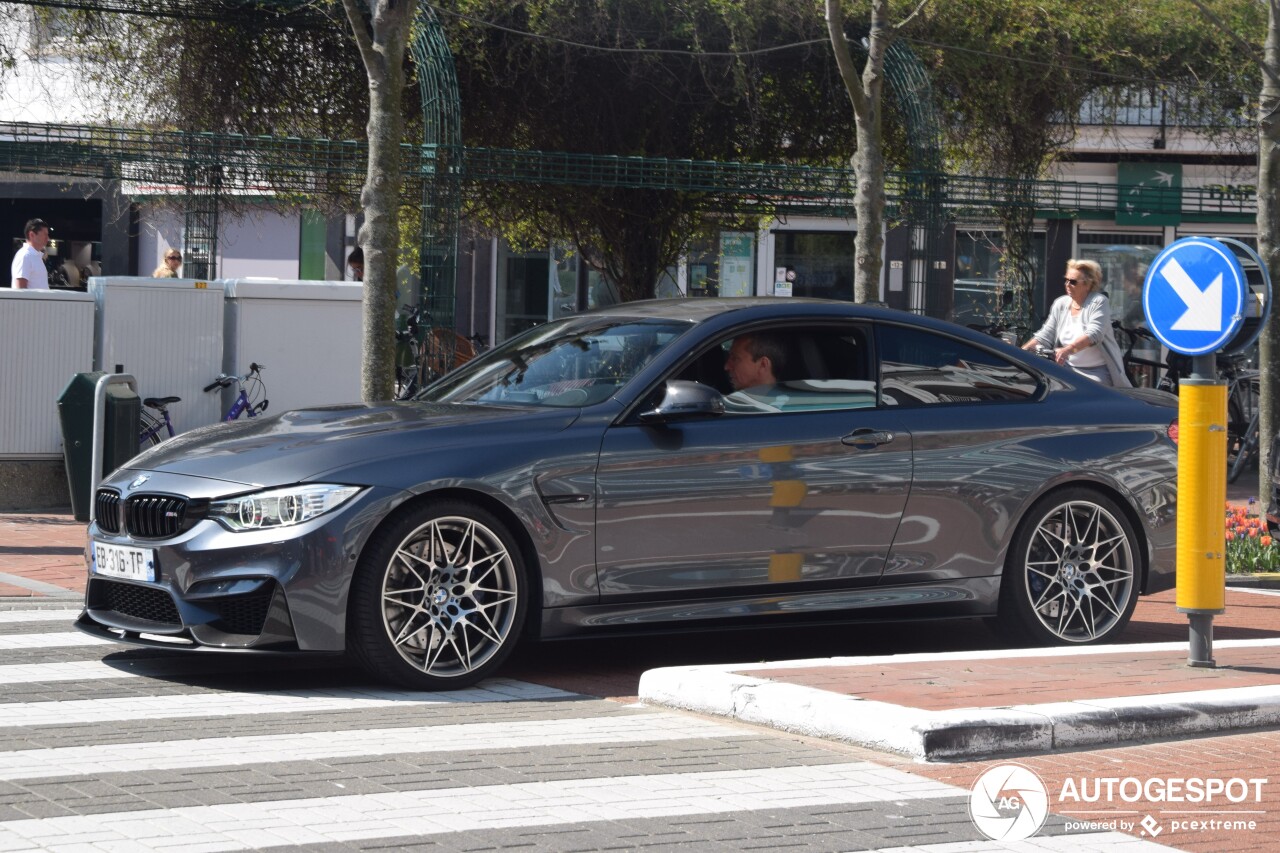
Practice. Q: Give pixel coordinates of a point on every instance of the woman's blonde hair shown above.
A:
(1090, 271)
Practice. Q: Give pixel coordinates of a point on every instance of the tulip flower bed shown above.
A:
(1250, 548)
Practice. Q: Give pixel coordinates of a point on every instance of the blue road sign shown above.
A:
(1194, 296)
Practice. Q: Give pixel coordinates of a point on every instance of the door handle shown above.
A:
(867, 438)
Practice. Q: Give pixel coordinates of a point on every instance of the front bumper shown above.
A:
(283, 589)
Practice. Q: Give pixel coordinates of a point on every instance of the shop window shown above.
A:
(1124, 259)
(982, 296)
(822, 262)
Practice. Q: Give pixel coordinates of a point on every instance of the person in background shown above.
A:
(169, 268)
(355, 260)
(1134, 273)
(28, 270)
(1078, 328)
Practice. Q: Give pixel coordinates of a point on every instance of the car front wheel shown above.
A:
(438, 598)
(1072, 571)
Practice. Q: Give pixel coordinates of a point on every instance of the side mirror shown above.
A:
(684, 401)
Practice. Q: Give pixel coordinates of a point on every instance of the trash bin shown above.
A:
(123, 423)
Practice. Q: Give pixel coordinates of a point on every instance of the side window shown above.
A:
(920, 368)
(790, 369)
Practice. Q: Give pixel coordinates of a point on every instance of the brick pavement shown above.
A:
(1002, 682)
(40, 553)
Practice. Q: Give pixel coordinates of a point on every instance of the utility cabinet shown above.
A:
(167, 333)
(307, 333)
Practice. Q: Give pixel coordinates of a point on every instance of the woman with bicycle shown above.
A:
(1078, 328)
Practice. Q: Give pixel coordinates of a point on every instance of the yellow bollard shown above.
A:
(1202, 496)
(788, 493)
(785, 568)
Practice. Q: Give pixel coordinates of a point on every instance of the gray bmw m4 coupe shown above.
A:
(655, 465)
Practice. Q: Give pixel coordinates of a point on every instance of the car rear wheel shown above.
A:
(438, 598)
(1072, 571)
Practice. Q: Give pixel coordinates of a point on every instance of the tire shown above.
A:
(1239, 446)
(1072, 573)
(152, 431)
(439, 598)
(406, 382)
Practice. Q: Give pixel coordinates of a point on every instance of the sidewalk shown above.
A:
(41, 556)
(967, 705)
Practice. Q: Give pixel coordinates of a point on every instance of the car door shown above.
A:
(804, 497)
(982, 445)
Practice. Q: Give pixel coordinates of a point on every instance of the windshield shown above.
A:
(577, 361)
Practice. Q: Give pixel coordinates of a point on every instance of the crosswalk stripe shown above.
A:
(241, 826)
(108, 790)
(162, 665)
(82, 670)
(310, 746)
(226, 704)
(15, 617)
(55, 640)
(1101, 842)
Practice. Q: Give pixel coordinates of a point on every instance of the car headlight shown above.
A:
(280, 507)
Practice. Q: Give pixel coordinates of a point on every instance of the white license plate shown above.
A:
(124, 561)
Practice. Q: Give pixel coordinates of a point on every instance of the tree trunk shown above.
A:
(382, 35)
(868, 206)
(1268, 242)
(866, 95)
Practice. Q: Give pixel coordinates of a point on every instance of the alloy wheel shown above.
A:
(1079, 572)
(449, 597)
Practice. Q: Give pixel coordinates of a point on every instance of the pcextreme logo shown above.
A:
(1009, 803)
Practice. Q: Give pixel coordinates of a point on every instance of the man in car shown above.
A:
(754, 363)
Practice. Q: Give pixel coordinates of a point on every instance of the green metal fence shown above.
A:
(206, 167)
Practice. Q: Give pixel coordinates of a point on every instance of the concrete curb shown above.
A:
(967, 733)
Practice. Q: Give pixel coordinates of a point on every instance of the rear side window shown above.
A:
(921, 368)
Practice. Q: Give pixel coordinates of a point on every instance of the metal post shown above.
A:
(99, 437)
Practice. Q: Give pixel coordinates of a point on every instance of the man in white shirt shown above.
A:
(28, 264)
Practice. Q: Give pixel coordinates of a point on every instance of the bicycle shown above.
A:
(425, 351)
(1242, 393)
(1145, 372)
(152, 426)
(997, 329)
(244, 401)
(156, 428)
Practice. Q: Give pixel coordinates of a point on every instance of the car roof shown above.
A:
(698, 309)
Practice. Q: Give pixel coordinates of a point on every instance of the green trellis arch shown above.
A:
(443, 154)
(441, 160)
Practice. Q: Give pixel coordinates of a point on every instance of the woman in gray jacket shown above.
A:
(1078, 328)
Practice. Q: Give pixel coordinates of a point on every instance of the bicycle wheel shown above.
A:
(1237, 435)
(1245, 450)
(406, 382)
(152, 431)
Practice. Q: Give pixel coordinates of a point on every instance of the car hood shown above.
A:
(301, 444)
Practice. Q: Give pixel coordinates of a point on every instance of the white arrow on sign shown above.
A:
(1204, 307)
